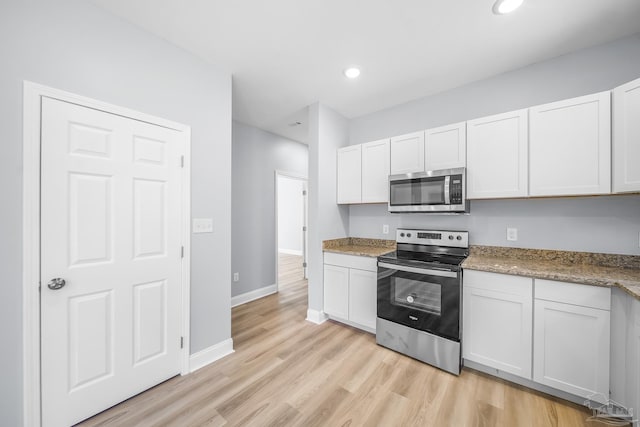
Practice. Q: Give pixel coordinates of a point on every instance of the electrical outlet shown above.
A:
(512, 234)
(385, 229)
(236, 277)
(203, 225)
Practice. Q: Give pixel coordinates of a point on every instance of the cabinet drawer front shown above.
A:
(351, 261)
(515, 285)
(573, 293)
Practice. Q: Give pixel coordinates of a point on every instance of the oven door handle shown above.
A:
(418, 270)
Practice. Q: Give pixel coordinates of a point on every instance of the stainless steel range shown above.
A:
(420, 296)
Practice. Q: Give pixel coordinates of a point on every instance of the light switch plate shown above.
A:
(202, 225)
(385, 229)
(512, 234)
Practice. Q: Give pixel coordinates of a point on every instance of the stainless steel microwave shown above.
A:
(439, 191)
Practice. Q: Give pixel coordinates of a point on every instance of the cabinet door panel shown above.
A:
(497, 156)
(349, 174)
(571, 349)
(336, 291)
(407, 153)
(570, 146)
(446, 147)
(497, 329)
(375, 171)
(362, 297)
(626, 137)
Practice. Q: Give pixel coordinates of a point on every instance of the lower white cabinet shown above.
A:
(497, 321)
(336, 291)
(350, 289)
(625, 350)
(571, 341)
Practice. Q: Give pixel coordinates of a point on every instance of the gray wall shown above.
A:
(328, 131)
(597, 224)
(256, 156)
(74, 46)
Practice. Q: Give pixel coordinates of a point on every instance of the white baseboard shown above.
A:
(253, 295)
(210, 354)
(315, 316)
(290, 251)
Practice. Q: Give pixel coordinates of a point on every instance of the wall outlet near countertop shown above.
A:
(236, 277)
(512, 234)
(385, 229)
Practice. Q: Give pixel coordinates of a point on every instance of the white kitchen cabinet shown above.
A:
(349, 174)
(571, 341)
(362, 297)
(407, 153)
(497, 321)
(497, 156)
(626, 137)
(350, 289)
(375, 171)
(336, 291)
(570, 147)
(446, 147)
(625, 350)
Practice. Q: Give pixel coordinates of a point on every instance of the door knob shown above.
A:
(57, 283)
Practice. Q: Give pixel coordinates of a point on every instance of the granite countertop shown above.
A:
(359, 246)
(608, 270)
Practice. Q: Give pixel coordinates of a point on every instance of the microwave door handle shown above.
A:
(447, 194)
(418, 270)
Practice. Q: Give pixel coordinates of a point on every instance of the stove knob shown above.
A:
(408, 234)
(401, 234)
(450, 236)
(459, 237)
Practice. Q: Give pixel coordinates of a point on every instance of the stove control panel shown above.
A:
(458, 239)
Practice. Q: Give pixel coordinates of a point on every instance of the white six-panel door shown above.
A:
(110, 227)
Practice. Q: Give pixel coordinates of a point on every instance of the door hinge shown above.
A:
(304, 192)
(181, 161)
(181, 251)
(304, 264)
(181, 342)
(304, 228)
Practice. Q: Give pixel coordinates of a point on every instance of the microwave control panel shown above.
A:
(455, 190)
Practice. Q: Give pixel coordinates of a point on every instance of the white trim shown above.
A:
(316, 316)
(32, 94)
(253, 295)
(291, 175)
(210, 354)
(290, 251)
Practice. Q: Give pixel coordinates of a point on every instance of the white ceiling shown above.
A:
(287, 54)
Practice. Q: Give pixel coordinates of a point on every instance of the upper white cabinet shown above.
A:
(570, 147)
(626, 137)
(498, 321)
(497, 156)
(407, 153)
(571, 338)
(349, 174)
(446, 147)
(375, 171)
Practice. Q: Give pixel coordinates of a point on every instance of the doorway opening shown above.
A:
(291, 230)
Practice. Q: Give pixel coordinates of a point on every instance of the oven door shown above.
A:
(421, 298)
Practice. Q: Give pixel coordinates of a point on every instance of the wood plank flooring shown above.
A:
(288, 372)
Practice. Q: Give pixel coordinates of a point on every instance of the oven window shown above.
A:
(416, 295)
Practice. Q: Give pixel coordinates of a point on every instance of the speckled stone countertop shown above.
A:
(359, 246)
(607, 270)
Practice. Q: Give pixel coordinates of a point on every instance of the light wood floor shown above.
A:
(289, 372)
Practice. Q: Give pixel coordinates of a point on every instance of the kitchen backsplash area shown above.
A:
(606, 224)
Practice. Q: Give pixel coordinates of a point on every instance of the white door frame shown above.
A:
(290, 175)
(33, 93)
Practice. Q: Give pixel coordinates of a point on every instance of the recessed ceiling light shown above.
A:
(502, 7)
(352, 72)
